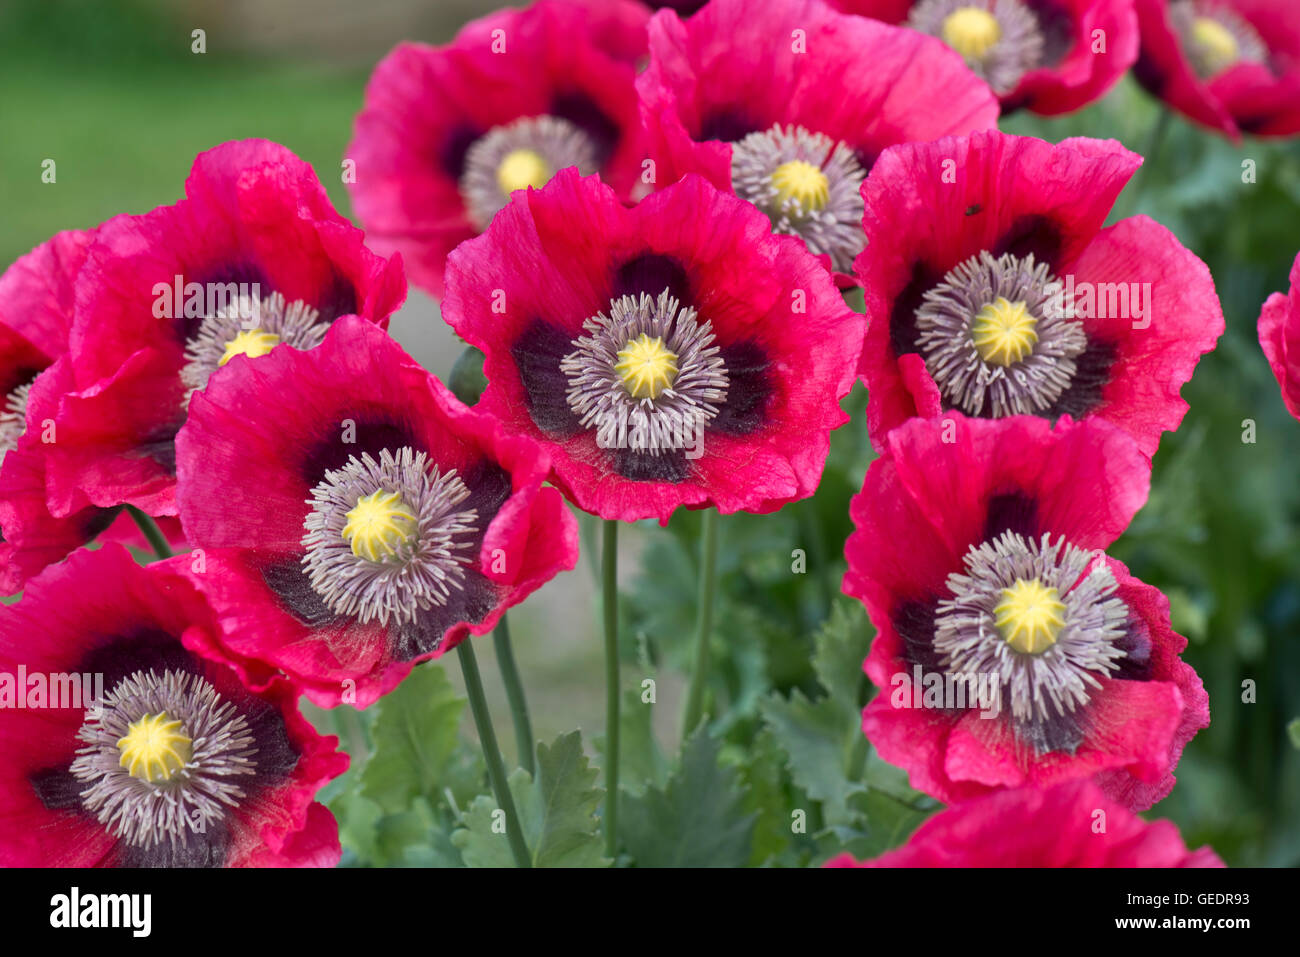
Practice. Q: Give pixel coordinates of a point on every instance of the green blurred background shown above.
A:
(110, 90)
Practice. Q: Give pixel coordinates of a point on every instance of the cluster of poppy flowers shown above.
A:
(649, 247)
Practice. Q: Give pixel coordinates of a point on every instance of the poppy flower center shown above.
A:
(808, 185)
(1003, 332)
(165, 758)
(1215, 43)
(647, 376)
(646, 366)
(388, 538)
(249, 328)
(801, 181)
(995, 337)
(517, 155)
(378, 525)
(1041, 617)
(13, 418)
(521, 169)
(1215, 37)
(155, 747)
(251, 343)
(971, 31)
(1030, 616)
(1000, 40)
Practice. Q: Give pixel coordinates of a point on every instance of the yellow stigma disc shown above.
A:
(647, 367)
(803, 182)
(1030, 616)
(251, 343)
(971, 31)
(521, 169)
(1217, 46)
(155, 748)
(379, 524)
(1004, 332)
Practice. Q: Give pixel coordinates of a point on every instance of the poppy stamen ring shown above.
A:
(388, 537)
(808, 185)
(526, 152)
(996, 336)
(13, 418)
(164, 757)
(646, 376)
(1041, 616)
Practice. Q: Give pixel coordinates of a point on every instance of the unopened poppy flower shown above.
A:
(355, 518)
(253, 256)
(1279, 336)
(992, 288)
(1231, 65)
(448, 133)
(1049, 56)
(1010, 649)
(1072, 824)
(126, 747)
(675, 353)
(835, 90)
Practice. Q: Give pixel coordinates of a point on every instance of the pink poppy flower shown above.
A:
(675, 353)
(1072, 824)
(36, 300)
(1048, 56)
(254, 255)
(992, 288)
(835, 90)
(1231, 65)
(447, 133)
(355, 518)
(1279, 336)
(1011, 650)
(126, 747)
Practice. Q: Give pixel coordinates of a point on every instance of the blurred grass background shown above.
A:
(112, 93)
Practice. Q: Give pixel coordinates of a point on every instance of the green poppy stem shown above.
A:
(515, 692)
(694, 710)
(1152, 152)
(491, 752)
(152, 533)
(609, 586)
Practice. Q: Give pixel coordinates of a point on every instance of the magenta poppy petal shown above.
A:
(36, 296)
(1279, 337)
(1145, 308)
(255, 220)
(33, 538)
(556, 257)
(1255, 94)
(1073, 71)
(270, 430)
(425, 106)
(946, 491)
(1155, 355)
(855, 81)
(101, 613)
(1054, 826)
